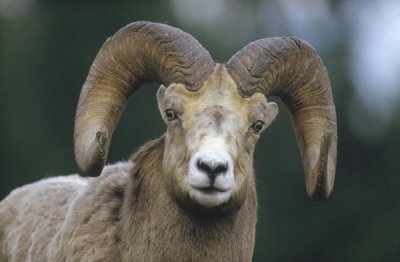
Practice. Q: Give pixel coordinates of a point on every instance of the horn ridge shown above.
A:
(291, 69)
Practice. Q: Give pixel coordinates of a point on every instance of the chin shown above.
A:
(210, 207)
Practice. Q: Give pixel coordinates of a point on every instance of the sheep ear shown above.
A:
(161, 93)
(160, 97)
(272, 112)
(160, 100)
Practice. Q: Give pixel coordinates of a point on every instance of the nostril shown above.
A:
(212, 168)
(204, 166)
(220, 167)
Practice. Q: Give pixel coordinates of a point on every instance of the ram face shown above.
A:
(211, 138)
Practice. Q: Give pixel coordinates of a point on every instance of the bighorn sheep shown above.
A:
(189, 195)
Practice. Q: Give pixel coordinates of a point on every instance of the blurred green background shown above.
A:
(47, 47)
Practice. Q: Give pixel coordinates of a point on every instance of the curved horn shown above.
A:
(291, 69)
(138, 53)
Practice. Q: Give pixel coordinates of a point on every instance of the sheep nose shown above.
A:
(212, 168)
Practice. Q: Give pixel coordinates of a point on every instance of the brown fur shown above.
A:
(126, 214)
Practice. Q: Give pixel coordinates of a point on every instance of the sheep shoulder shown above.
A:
(63, 215)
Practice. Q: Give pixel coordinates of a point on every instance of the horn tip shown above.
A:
(320, 184)
(92, 161)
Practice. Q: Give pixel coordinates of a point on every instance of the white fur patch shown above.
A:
(204, 190)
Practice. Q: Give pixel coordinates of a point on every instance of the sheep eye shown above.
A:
(170, 114)
(257, 126)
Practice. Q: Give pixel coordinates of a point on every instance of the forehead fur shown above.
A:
(219, 90)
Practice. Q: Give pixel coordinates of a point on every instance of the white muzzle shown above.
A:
(211, 174)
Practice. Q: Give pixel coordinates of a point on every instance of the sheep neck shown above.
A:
(155, 228)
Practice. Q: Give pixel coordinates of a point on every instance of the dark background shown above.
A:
(47, 47)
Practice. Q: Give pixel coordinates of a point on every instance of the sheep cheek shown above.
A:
(175, 165)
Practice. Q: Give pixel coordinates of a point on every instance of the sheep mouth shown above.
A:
(209, 196)
(211, 190)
